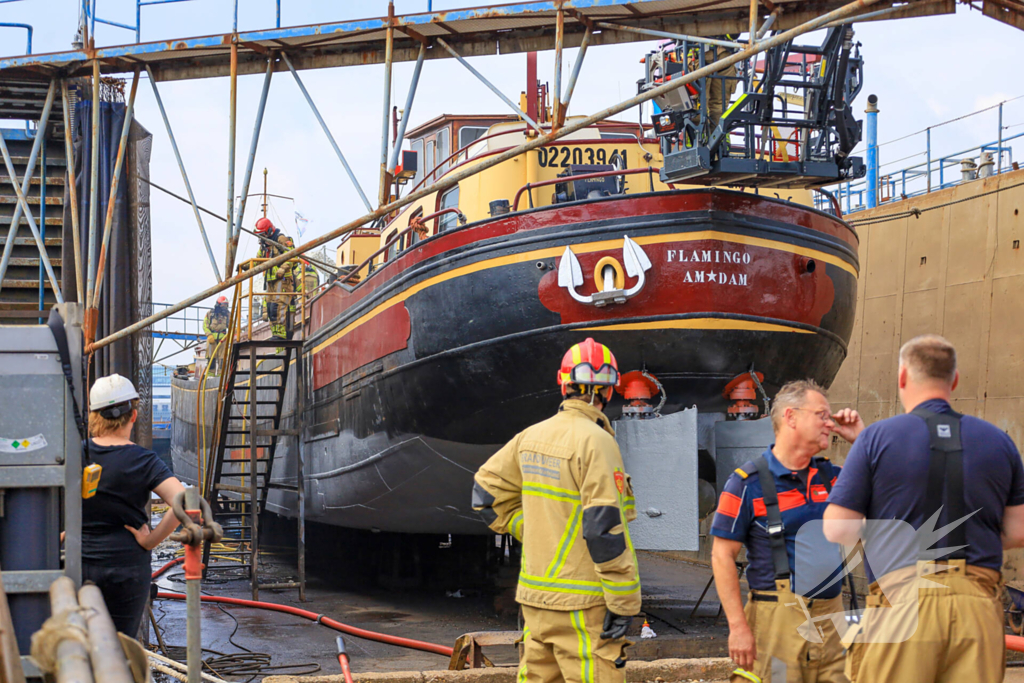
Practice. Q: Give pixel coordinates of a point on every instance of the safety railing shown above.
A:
(528, 187)
(185, 325)
(89, 14)
(416, 223)
(935, 172)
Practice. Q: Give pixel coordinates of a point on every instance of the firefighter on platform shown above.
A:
(278, 280)
(560, 488)
(215, 325)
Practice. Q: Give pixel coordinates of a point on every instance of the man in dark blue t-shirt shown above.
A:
(795, 587)
(934, 612)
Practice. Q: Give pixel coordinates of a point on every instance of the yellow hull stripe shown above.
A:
(699, 324)
(587, 248)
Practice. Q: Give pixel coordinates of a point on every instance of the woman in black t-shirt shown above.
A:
(116, 540)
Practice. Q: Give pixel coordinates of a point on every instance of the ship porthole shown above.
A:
(620, 276)
(810, 265)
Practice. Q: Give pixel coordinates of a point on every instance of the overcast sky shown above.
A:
(924, 71)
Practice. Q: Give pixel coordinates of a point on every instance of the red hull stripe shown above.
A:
(552, 252)
(729, 505)
(336, 300)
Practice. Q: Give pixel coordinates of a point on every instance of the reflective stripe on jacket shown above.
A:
(561, 489)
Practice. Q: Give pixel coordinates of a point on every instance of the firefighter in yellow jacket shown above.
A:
(560, 488)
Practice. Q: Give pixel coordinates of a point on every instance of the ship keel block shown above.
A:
(660, 455)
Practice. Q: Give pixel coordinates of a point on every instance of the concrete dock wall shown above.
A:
(956, 270)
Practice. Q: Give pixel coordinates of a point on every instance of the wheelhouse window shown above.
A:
(449, 200)
(429, 162)
(443, 150)
(417, 146)
(470, 134)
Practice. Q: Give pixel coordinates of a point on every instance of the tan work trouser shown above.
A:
(215, 345)
(783, 633)
(283, 299)
(567, 646)
(931, 627)
(715, 88)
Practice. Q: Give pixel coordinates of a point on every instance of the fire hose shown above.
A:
(409, 643)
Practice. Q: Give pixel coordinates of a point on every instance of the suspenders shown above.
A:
(945, 481)
(775, 528)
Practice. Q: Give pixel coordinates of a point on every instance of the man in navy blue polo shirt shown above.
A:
(783, 634)
(934, 613)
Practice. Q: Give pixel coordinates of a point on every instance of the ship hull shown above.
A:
(421, 372)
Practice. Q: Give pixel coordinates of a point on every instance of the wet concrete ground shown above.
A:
(671, 588)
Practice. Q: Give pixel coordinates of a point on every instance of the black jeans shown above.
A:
(125, 591)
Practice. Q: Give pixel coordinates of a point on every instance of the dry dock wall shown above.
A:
(956, 269)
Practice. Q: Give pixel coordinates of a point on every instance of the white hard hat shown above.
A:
(110, 391)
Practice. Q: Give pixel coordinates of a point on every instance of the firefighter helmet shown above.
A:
(264, 225)
(222, 299)
(588, 364)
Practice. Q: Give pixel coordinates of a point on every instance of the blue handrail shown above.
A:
(28, 28)
(89, 12)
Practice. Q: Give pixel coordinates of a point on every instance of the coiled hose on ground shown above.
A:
(409, 643)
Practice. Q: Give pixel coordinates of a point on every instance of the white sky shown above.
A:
(924, 71)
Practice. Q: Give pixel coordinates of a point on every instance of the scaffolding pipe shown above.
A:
(23, 201)
(753, 22)
(108, 661)
(327, 131)
(564, 109)
(557, 90)
(72, 658)
(69, 155)
(250, 162)
(94, 183)
(675, 36)
(231, 244)
(455, 177)
(184, 175)
(122, 149)
(30, 168)
(400, 136)
(389, 54)
(491, 86)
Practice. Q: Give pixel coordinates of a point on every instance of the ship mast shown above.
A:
(264, 193)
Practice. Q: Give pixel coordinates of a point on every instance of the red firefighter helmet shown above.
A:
(264, 225)
(588, 364)
(222, 299)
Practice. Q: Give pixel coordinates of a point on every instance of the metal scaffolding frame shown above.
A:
(558, 37)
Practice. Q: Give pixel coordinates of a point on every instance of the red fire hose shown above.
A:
(312, 616)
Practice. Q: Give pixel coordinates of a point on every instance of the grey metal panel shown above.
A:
(33, 476)
(32, 389)
(739, 441)
(30, 581)
(26, 339)
(661, 458)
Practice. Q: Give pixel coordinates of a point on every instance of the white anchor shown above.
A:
(570, 275)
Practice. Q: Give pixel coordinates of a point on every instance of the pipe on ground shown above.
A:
(409, 643)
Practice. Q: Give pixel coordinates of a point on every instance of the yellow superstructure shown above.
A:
(618, 147)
